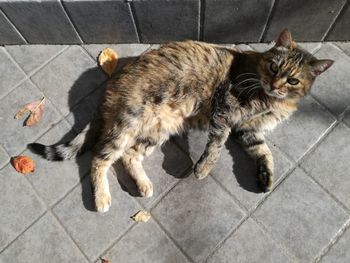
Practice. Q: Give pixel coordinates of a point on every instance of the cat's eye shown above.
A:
(273, 67)
(293, 81)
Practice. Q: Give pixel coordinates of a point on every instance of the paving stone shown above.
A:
(94, 232)
(339, 30)
(112, 21)
(197, 214)
(69, 78)
(312, 47)
(345, 46)
(301, 17)
(243, 47)
(30, 57)
(157, 249)
(8, 33)
(176, 20)
(340, 252)
(261, 47)
(300, 132)
(10, 74)
(53, 180)
(231, 21)
(19, 205)
(48, 21)
(14, 136)
(4, 157)
(45, 240)
(301, 216)
(332, 88)
(347, 117)
(249, 244)
(164, 167)
(235, 170)
(329, 164)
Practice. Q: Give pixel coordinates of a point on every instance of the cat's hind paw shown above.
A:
(201, 171)
(264, 178)
(145, 188)
(103, 201)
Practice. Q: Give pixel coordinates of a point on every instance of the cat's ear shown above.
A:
(320, 65)
(285, 39)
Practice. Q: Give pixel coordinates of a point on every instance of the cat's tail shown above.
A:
(83, 142)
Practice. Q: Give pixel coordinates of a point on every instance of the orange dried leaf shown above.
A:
(105, 261)
(23, 164)
(36, 109)
(141, 216)
(108, 59)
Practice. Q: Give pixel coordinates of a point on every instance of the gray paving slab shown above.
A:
(235, 170)
(225, 19)
(339, 253)
(10, 74)
(197, 214)
(296, 213)
(347, 117)
(45, 240)
(301, 17)
(30, 57)
(112, 21)
(137, 246)
(19, 205)
(345, 46)
(184, 17)
(249, 244)
(92, 231)
(4, 157)
(52, 180)
(69, 78)
(312, 47)
(329, 164)
(165, 167)
(8, 33)
(15, 137)
(339, 30)
(48, 17)
(332, 87)
(300, 132)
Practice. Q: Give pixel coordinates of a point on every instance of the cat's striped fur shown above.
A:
(183, 84)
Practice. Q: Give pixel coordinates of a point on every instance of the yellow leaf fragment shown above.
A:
(105, 260)
(36, 109)
(141, 216)
(108, 59)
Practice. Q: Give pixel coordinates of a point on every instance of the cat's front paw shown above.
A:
(201, 171)
(103, 201)
(264, 178)
(145, 188)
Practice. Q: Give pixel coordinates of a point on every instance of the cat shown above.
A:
(183, 84)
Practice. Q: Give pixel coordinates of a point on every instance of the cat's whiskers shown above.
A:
(244, 74)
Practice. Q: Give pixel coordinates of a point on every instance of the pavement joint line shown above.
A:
(277, 242)
(334, 241)
(337, 44)
(134, 20)
(94, 60)
(268, 20)
(338, 202)
(66, 13)
(64, 229)
(14, 27)
(172, 239)
(37, 69)
(332, 23)
(25, 230)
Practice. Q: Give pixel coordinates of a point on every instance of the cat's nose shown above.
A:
(274, 85)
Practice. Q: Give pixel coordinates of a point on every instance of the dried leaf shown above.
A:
(105, 260)
(141, 216)
(36, 109)
(108, 59)
(23, 164)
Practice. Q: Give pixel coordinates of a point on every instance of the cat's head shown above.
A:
(287, 71)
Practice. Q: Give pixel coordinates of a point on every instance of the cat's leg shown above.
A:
(107, 151)
(216, 140)
(255, 145)
(132, 161)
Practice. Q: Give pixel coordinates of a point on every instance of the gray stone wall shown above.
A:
(155, 21)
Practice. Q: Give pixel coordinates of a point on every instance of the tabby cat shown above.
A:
(183, 84)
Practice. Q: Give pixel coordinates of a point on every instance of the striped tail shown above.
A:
(83, 142)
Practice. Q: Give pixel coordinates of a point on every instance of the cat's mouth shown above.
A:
(265, 84)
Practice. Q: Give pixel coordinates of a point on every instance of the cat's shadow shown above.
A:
(81, 114)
